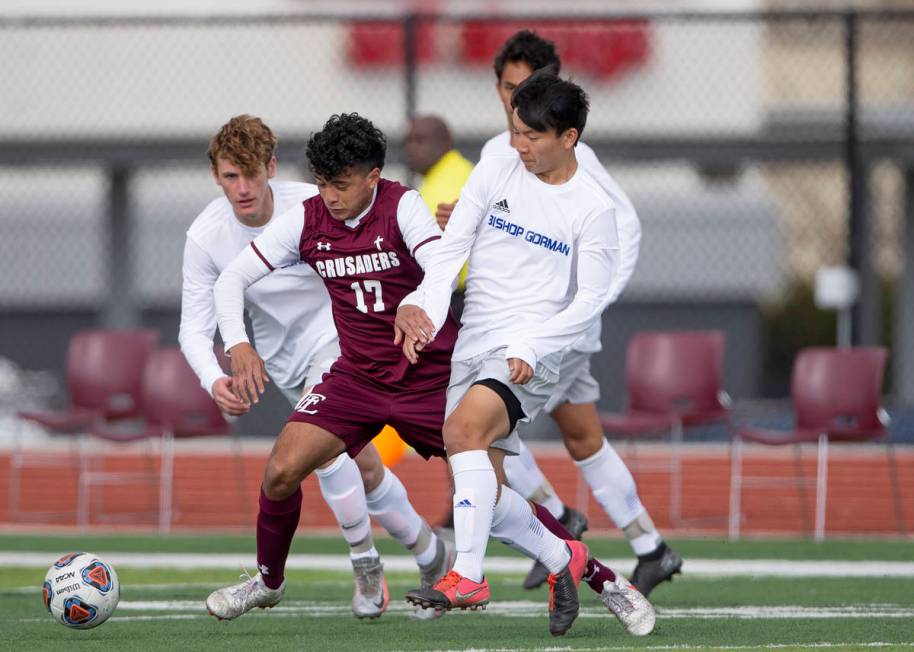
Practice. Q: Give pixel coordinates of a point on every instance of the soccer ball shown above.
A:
(81, 590)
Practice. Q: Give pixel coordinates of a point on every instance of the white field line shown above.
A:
(530, 609)
(150, 610)
(692, 567)
(769, 646)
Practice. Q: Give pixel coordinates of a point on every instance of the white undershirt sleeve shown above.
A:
(198, 315)
(417, 226)
(627, 222)
(447, 256)
(276, 247)
(597, 264)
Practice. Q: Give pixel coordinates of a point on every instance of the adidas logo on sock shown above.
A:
(501, 206)
(465, 503)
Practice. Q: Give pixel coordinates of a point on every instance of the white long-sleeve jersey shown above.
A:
(627, 223)
(543, 261)
(290, 310)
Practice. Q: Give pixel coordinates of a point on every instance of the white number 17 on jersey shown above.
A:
(370, 286)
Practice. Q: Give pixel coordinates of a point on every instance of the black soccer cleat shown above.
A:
(575, 522)
(651, 572)
(564, 604)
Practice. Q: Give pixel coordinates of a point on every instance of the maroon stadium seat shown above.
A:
(174, 405)
(836, 396)
(104, 377)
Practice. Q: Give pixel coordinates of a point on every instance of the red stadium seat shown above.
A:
(104, 377)
(173, 406)
(380, 44)
(604, 49)
(673, 380)
(836, 396)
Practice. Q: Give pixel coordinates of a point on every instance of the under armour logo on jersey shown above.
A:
(308, 401)
(378, 241)
(501, 206)
(323, 246)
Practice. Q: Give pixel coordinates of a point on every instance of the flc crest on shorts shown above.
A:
(307, 402)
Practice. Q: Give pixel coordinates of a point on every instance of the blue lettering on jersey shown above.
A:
(534, 238)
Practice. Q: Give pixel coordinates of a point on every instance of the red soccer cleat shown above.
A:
(452, 591)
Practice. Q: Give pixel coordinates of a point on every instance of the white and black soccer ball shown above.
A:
(81, 590)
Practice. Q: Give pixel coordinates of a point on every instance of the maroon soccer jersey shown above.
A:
(367, 270)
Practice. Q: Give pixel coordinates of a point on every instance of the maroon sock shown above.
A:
(551, 522)
(276, 525)
(595, 573)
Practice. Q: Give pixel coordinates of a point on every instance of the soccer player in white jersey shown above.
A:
(574, 406)
(294, 333)
(541, 238)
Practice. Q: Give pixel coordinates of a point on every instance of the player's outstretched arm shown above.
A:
(198, 315)
(248, 371)
(198, 324)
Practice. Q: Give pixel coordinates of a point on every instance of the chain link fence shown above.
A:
(729, 132)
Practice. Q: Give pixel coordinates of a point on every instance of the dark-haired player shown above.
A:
(573, 406)
(293, 328)
(369, 239)
(540, 236)
(355, 212)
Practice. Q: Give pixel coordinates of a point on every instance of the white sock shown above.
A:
(525, 478)
(642, 536)
(390, 506)
(342, 489)
(371, 552)
(614, 488)
(515, 524)
(475, 488)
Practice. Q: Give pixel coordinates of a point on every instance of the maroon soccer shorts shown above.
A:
(356, 410)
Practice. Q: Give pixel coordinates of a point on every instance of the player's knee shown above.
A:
(460, 436)
(372, 474)
(281, 479)
(581, 443)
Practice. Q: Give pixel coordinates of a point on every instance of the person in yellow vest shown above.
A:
(430, 153)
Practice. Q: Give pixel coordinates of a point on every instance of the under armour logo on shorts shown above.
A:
(307, 401)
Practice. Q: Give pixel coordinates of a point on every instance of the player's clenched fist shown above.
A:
(413, 330)
(248, 373)
(226, 399)
(521, 372)
(443, 213)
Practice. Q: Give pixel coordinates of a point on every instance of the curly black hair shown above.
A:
(529, 47)
(347, 140)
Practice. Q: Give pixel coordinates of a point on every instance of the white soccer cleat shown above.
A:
(628, 605)
(445, 555)
(232, 601)
(371, 596)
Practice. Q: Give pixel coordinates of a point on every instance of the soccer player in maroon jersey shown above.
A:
(365, 237)
(368, 239)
